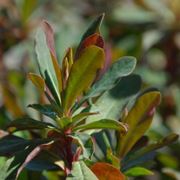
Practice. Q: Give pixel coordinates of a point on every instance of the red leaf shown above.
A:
(105, 171)
(94, 39)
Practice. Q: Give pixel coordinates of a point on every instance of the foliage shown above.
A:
(98, 114)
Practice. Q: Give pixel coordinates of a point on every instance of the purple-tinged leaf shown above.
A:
(31, 156)
(49, 33)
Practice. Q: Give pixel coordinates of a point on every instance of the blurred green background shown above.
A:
(146, 29)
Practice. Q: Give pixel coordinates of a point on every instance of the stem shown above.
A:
(69, 155)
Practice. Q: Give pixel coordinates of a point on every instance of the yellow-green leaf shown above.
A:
(138, 171)
(83, 73)
(138, 120)
(57, 71)
(11, 102)
(38, 81)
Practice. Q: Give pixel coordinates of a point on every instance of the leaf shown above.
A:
(103, 143)
(45, 64)
(161, 143)
(28, 123)
(66, 66)
(81, 172)
(111, 104)
(11, 102)
(12, 144)
(52, 90)
(93, 28)
(49, 33)
(5, 169)
(31, 156)
(103, 124)
(171, 173)
(43, 161)
(45, 109)
(38, 81)
(138, 171)
(111, 158)
(21, 155)
(82, 74)
(27, 9)
(138, 119)
(106, 171)
(85, 142)
(132, 160)
(123, 67)
(79, 117)
(58, 73)
(94, 39)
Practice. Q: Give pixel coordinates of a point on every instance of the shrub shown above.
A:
(98, 115)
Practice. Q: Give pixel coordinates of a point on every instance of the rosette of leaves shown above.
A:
(97, 115)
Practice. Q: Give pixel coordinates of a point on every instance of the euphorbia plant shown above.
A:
(98, 115)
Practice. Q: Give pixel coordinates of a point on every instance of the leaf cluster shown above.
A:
(97, 112)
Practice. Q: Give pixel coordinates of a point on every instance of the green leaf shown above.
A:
(85, 142)
(123, 67)
(138, 119)
(6, 170)
(104, 140)
(64, 122)
(111, 158)
(93, 28)
(81, 172)
(161, 143)
(32, 155)
(45, 109)
(81, 116)
(111, 104)
(22, 154)
(49, 33)
(11, 144)
(138, 171)
(28, 123)
(131, 160)
(167, 160)
(103, 124)
(27, 9)
(45, 64)
(82, 74)
(44, 161)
